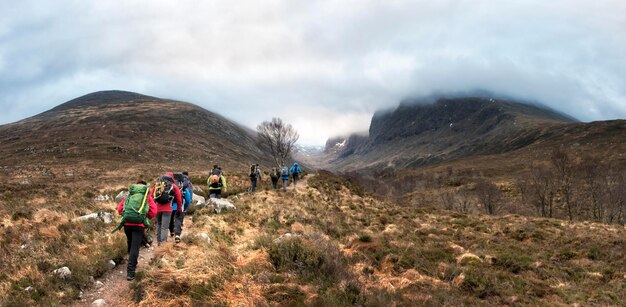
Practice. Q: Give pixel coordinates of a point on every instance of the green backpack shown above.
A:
(135, 206)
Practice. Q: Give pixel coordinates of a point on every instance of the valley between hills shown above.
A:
(464, 201)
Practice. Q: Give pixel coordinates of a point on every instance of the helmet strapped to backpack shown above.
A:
(216, 181)
(163, 190)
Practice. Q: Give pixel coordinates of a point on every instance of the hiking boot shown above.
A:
(130, 276)
(177, 239)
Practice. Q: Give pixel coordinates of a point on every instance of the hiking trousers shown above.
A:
(275, 183)
(215, 193)
(162, 225)
(179, 218)
(134, 235)
(295, 179)
(253, 182)
(285, 184)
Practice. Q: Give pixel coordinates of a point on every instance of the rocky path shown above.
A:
(113, 289)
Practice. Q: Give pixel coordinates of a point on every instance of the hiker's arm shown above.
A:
(178, 199)
(224, 186)
(120, 207)
(188, 198)
(153, 207)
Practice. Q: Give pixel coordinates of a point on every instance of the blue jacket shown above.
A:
(295, 169)
(186, 200)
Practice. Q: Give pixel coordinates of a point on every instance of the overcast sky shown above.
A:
(323, 66)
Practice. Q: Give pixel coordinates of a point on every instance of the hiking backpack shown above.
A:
(136, 206)
(163, 190)
(252, 171)
(285, 172)
(216, 171)
(183, 183)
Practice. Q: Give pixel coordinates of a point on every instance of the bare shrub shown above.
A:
(463, 200)
(564, 171)
(489, 196)
(447, 199)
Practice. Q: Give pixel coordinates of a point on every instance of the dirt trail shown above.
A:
(116, 289)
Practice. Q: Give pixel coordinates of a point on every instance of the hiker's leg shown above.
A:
(284, 185)
(165, 224)
(179, 223)
(129, 238)
(136, 233)
(159, 220)
(171, 225)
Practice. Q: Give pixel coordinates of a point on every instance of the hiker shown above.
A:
(216, 183)
(274, 176)
(186, 189)
(139, 201)
(255, 174)
(284, 175)
(188, 196)
(165, 191)
(295, 171)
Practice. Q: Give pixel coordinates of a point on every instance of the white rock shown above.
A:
(112, 264)
(120, 196)
(80, 295)
(99, 303)
(102, 198)
(198, 201)
(63, 272)
(204, 236)
(219, 204)
(88, 217)
(98, 284)
(106, 217)
(29, 288)
(23, 246)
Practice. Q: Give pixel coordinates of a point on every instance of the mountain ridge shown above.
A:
(126, 127)
(416, 134)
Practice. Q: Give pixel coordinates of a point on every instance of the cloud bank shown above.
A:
(324, 66)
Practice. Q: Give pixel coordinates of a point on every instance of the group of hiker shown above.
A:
(276, 174)
(167, 201)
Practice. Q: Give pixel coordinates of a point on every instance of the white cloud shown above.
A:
(327, 64)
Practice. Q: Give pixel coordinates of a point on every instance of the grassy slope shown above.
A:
(347, 249)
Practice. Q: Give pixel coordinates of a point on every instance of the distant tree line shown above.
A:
(564, 186)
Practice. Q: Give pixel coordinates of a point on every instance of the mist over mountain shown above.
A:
(434, 129)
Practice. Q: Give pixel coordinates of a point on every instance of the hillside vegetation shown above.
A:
(329, 244)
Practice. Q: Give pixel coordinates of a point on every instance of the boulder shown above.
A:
(98, 284)
(198, 201)
(120, 196)
(204, 237)
(99, 303)
(63, 272)
(219, 204)
(106, 217)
